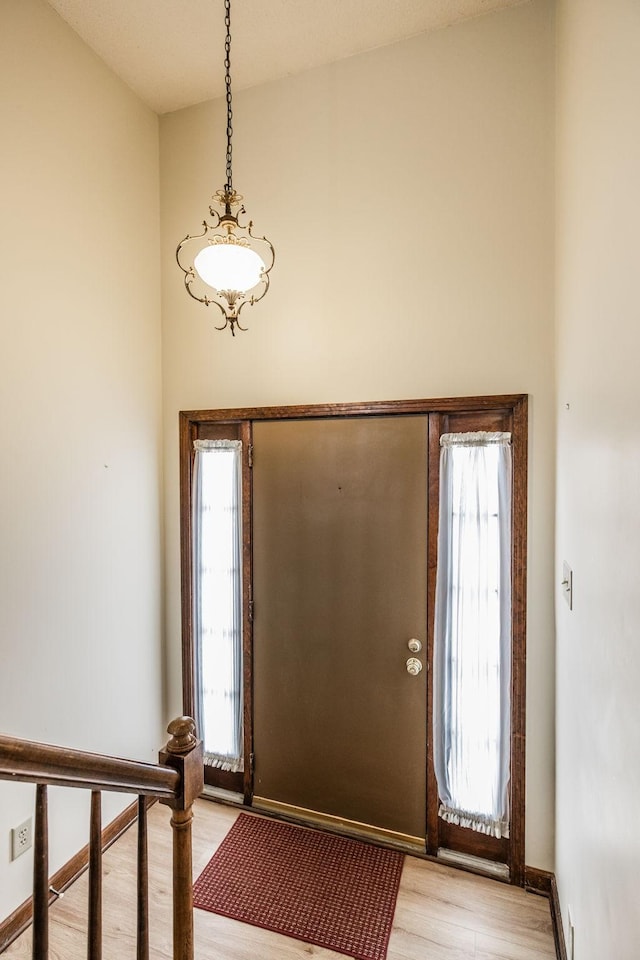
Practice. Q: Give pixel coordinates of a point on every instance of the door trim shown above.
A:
(193, 428)
(513, 418)
(512, 405)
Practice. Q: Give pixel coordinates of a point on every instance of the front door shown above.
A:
(339, 589)
(340, 553)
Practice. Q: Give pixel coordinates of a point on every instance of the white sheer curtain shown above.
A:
(217, 592)
(472, 663)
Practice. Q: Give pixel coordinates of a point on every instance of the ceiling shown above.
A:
(170, 52)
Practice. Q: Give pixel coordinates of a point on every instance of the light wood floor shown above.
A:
(441, 914)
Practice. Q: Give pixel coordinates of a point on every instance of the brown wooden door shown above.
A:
(339, 588)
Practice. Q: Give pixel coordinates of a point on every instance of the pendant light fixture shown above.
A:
(229, 266)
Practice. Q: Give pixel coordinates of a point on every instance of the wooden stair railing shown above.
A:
(176, 781)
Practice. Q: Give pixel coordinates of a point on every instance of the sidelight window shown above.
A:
(472, 683)
(217, 600)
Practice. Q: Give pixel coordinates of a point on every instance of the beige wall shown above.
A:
(598, 520)
(80, 466)
(409, 194)
(429, 164)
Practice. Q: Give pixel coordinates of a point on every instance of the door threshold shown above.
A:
(341, 825)
(490, 868)
(226, 796)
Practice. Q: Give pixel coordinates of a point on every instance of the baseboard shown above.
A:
(544, 883)
(556, 919)
(18, 921)
(538, 881)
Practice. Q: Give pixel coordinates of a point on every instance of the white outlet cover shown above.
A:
(21, 839)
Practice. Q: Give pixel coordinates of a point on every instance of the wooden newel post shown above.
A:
(183, 752)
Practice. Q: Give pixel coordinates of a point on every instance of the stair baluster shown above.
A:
(94, 946)
(40, 943)
(143, 883)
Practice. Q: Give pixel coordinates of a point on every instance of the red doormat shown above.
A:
(327, 890)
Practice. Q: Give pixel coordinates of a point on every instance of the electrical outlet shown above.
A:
(21, 839)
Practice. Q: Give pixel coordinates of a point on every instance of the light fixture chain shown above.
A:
(232, 264)
(227, 80)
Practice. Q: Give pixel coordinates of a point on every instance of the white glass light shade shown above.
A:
(229, 266)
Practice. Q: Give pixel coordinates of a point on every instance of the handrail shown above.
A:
(26, 762)
(177, 781)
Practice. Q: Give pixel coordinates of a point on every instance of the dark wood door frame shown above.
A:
(511, 418)
(511, 410)
(216, 428)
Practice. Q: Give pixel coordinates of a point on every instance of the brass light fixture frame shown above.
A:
(231, 301)
(229, 229)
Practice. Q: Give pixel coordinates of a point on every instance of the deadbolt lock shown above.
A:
(414, 666)
(414, 645)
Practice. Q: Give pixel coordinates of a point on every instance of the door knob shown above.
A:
(414, 666)
(414, 645)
